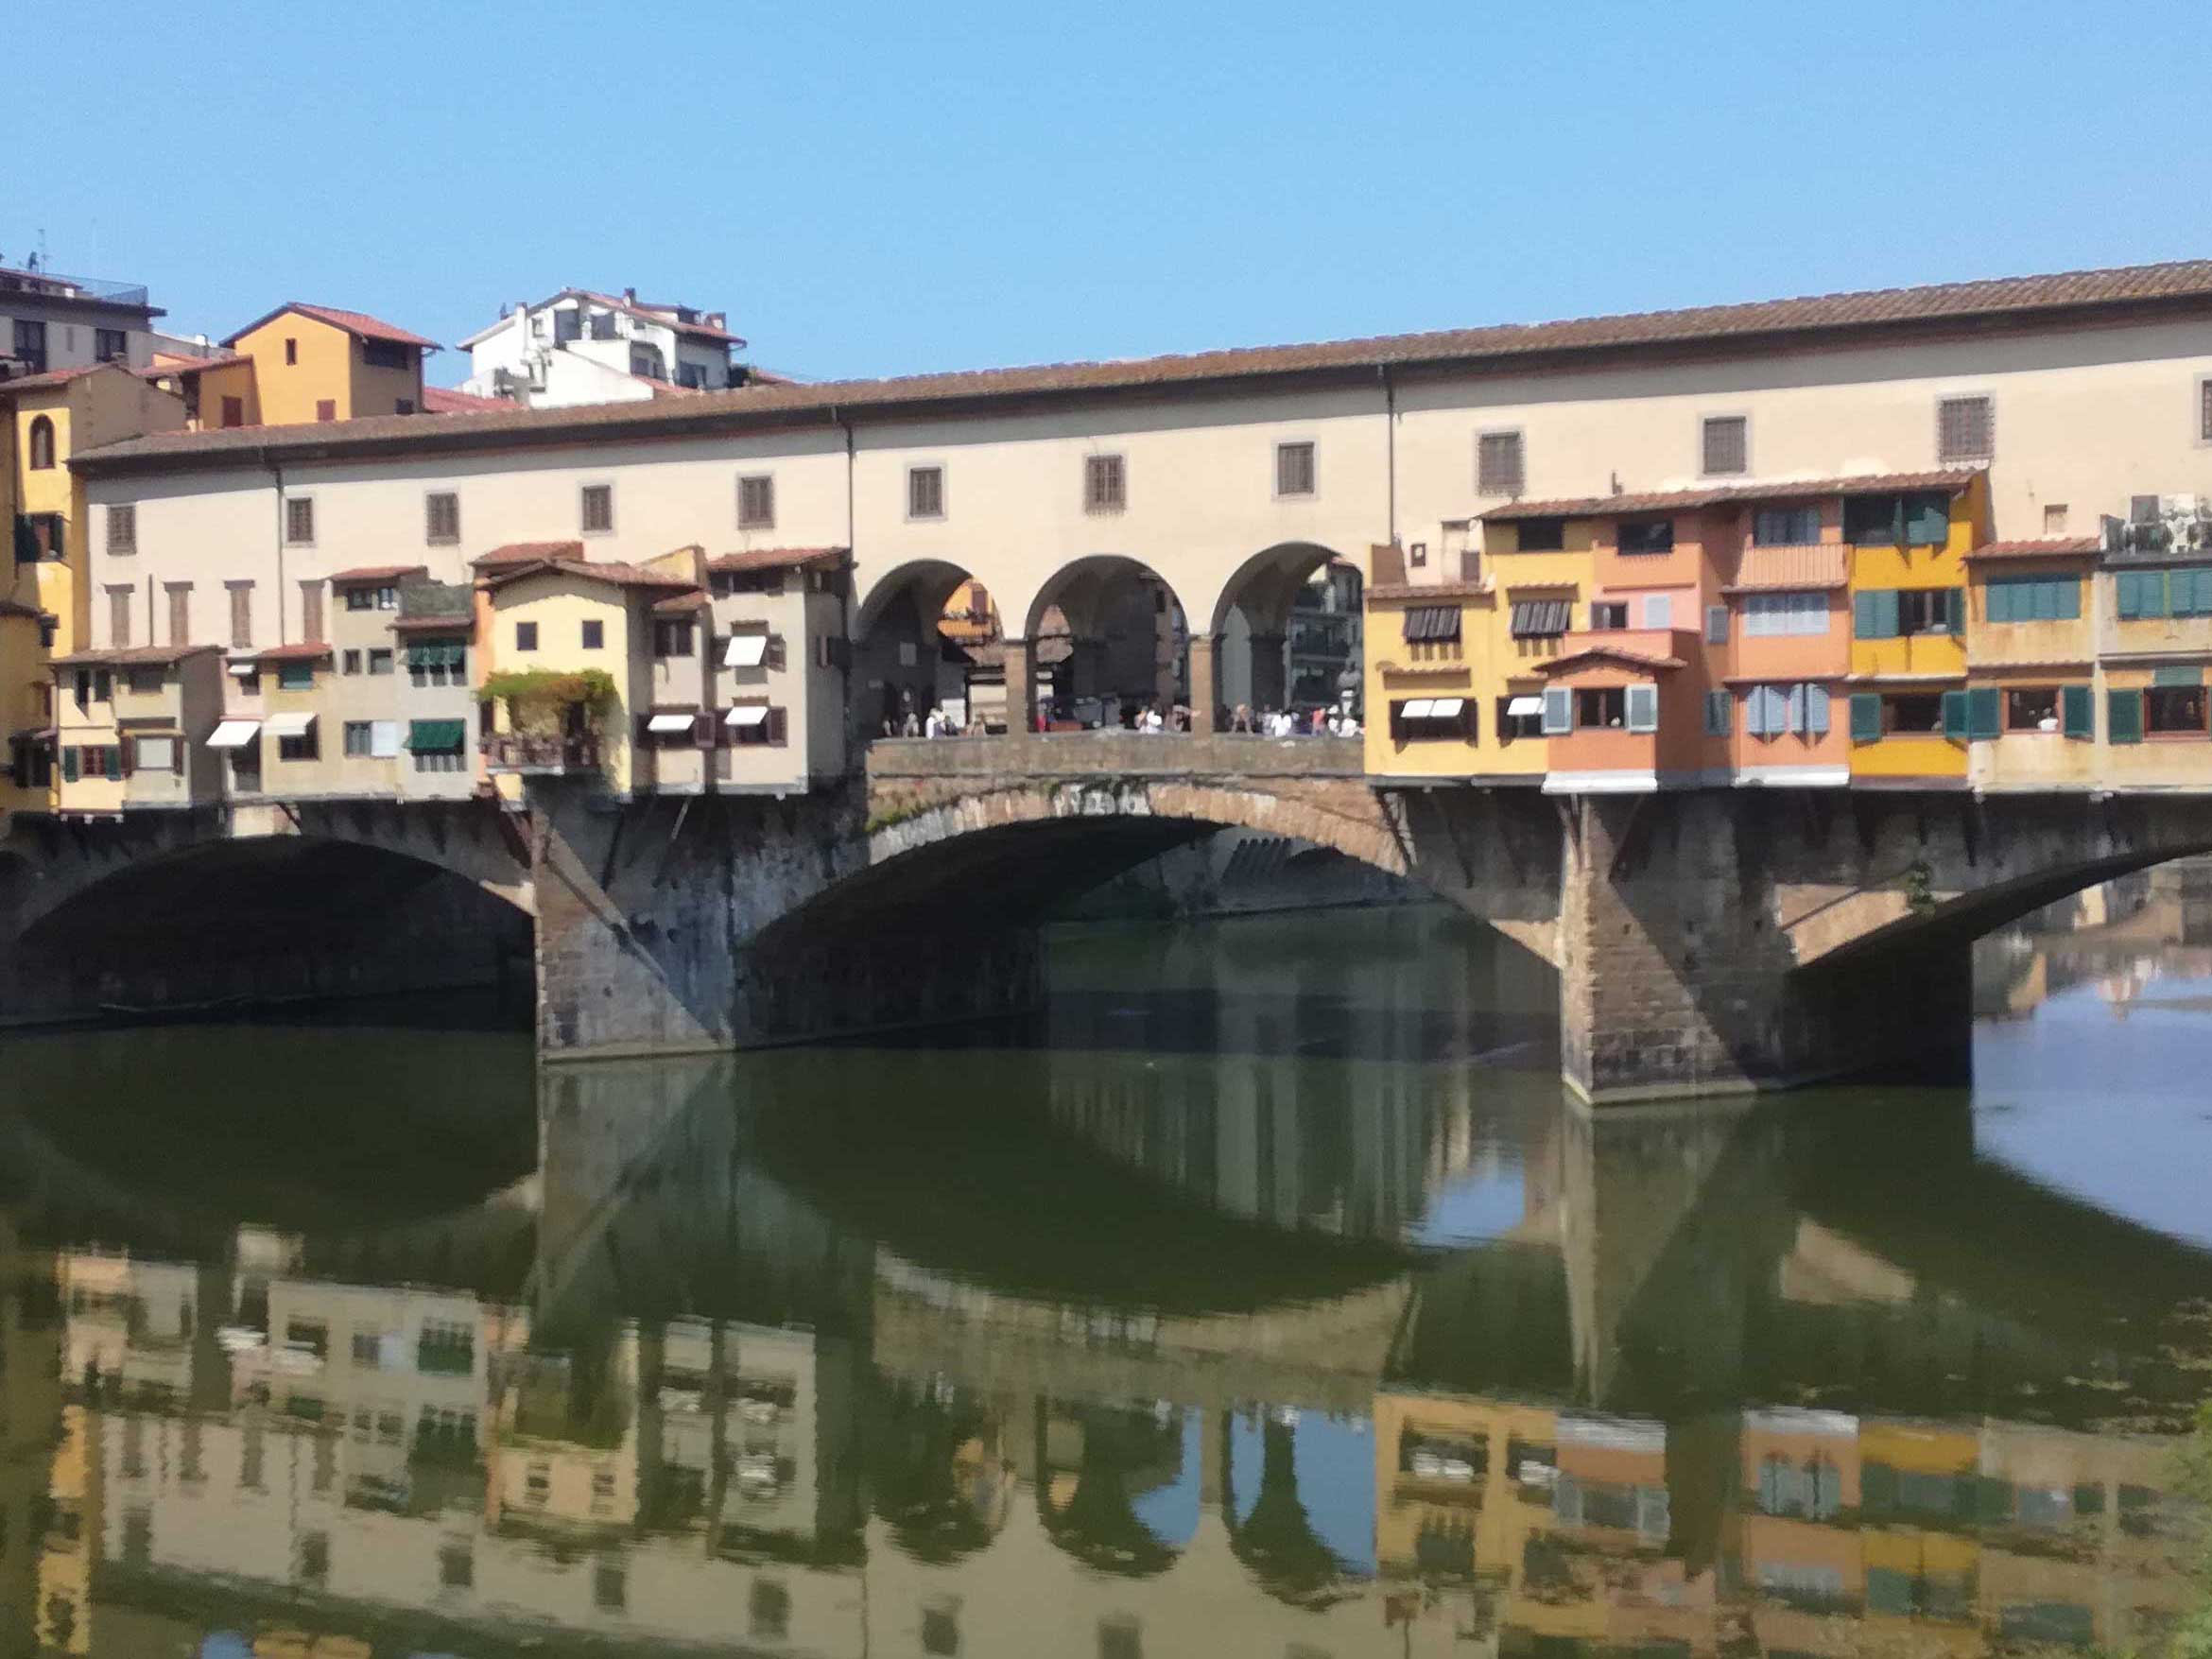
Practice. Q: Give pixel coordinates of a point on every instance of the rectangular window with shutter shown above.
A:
(2205, 409)
(1559, 711)
(180, 593)
(2033, 598)
(1866, 717)
(924, 491)
(1643, 708)
(1499, 468)
(2123, 716)
(311, 609)
(1719, 714)
(441, 517)
(756, 502)
(597, 508)
(123, 527)
(1294, 468)
(241, 613)
(1726, 447)
(2077, 712)
(1425, 624)
(1985, 712)
(1105, 484)
(119, 615)
(1965, 430)
(1658, 611)
(1716, 624)
(300, 521)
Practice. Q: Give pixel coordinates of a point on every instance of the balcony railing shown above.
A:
(544, 755)
(57, 285)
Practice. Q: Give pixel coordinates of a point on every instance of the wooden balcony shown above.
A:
(541, 756)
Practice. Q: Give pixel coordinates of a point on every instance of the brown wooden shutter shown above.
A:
(180, 612)
(119, 617)
(241, 613)
(777, 734)
(703, 727)
(311, 609)
(326, 409)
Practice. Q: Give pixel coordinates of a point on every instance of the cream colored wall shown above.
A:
(560, 605)
(2082, 418)
(205, 529)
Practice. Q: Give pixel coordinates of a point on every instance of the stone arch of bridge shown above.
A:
(1246, 637)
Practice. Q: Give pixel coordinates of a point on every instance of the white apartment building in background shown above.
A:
(50, 322)
(583, 347)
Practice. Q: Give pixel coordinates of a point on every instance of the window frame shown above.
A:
(39, 444)
(592, 634)
(526, 637)
(122, 516)
(432, 536)
(1705, 425)
(1646, 526)
(2203, 412)
(1099, 470)
(295, 507)
(583, 507)
(765, 483)
(1518, 486)
(2011, 726)
(1285, 448)
(1988, 451)
(2153, 731)
(1795, 511)
(675, 638)
(914, 472)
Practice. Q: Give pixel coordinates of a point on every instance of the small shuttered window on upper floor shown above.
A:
(1105, 483)
(1965, 430)
(1499, 468)
(1726, 446)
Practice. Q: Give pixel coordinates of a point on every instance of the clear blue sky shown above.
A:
(875, 189)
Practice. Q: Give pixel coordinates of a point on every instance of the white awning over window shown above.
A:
(233, 734)
(1416, 710)
(291, 725)
(745, 650)
(746, 714)
(1445, 708)
(1524, 705)
(244, 668)
(670, 722)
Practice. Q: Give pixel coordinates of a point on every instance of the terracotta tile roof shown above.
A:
(1952, 478)
(1767, 570)
(357, 323)
(681, 603)
(445, 400)
(309, 651)
(131, 656)
(1589, 654)
(775, 558)
(463, 623)
(166, 363)
(2040, 302)
(17, 608)
(364, 573)
(611, 572)
(2049, 547)
(53, 377)
(527, 553)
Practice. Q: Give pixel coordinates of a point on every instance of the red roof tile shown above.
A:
(53, 377)
(165, 363)
(1953, 478)
(357, 323)
(2038, 301)
(130, 656)
(775, 558)
(611, 572)
(364, 573)
(445, 400)
(308, 650)
(527, 553)
(1607, 655)
(2049, 548)
(681, 603)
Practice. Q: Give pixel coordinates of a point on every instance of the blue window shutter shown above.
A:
(2123, 716)
(2077, 712)
(1862, 615)
(1958, 616)
(1985, 712)
(1955, 718)
(1866, 717)
(1885, 623)
(1815, 710)
(2128, 594)
(2070, 605)
(1559, 711)
(69, 764)
(1998, 600)
(1793, 709)
(1643, 708)
(2155, 600)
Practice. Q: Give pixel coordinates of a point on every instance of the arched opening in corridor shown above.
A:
(1110, 648)
(1286, 636)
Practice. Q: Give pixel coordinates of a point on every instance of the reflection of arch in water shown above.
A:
(1095, 1521)
(938, 1482)
(1276, 1538)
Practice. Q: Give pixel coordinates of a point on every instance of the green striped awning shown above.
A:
(436, 737)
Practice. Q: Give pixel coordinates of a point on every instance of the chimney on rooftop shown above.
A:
(629, 296)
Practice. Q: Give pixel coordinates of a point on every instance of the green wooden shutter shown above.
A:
(1874, 614)
(2077, 712)
(2128, 594)
(1866, 717)
(1956, 719)
(2123, 716)
(1985, 712)
(69, 764)
(2070, 599)
(1863, 615)
(1957, 616)
(1928, 520)
(115, 760)
(2155, 601)
(1999, 601)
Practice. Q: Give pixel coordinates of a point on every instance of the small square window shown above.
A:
(1294, 472)
(2054, 518)
(350, 662)
(1726, 449)
(924, 491)
(1501, 466)
(296, 677)
(756, 503)
(1965, 430)
(526, 636)
(1543, 535)
(300, 521)
(598, 508)
(441, 514)
(380, 660)
(326, 409)
(594, 635)
(1105, 484)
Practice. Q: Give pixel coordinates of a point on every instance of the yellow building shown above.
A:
(2031, 664)
(45, 608)
(317, 363)
(218, 390)
(1910, 718)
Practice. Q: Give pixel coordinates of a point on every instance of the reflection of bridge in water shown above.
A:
(757, 1372)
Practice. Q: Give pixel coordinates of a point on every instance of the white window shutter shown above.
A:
(1643, 708)
(1559, 711)
(1658, 609)
(384, 738)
